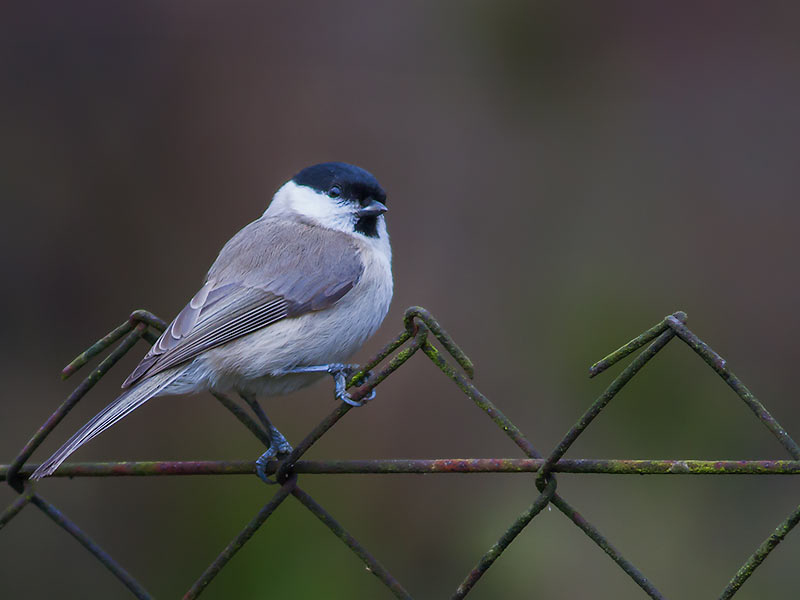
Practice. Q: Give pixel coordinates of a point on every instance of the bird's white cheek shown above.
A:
(301, 200)
(327, 213)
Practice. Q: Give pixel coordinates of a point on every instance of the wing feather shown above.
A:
(299, 269)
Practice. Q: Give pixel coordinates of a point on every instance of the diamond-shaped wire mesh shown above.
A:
(419, 325)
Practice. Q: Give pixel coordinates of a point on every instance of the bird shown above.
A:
(290, 297)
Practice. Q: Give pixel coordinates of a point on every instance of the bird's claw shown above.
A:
(341, 373)
(278, 449)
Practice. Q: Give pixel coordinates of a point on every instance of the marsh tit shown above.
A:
(289, 298)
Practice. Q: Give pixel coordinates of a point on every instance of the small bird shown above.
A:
(289, 298)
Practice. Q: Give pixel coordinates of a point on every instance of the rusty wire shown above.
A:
(419, 325)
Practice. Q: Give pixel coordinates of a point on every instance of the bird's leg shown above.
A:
(341, 373)
(278, 445)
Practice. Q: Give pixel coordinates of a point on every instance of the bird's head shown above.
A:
(334, 195)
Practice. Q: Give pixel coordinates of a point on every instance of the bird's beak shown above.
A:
(373, 209)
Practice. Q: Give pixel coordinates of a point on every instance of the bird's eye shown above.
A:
(335, 191)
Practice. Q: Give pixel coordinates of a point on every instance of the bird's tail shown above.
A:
(125, 404)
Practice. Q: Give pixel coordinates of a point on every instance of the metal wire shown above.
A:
(419, 326)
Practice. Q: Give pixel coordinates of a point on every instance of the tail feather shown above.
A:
(120, 408)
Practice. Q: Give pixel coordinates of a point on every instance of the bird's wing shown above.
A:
(303, 269)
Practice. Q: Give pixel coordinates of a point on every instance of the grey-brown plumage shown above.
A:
(298, 289)
(261, 276)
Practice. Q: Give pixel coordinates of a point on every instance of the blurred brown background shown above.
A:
(560, 177)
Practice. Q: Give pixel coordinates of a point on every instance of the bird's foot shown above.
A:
(279, 448)
(341, 373)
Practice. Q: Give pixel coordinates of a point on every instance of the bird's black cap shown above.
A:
(354, 183)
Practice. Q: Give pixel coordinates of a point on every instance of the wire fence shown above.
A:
(419, 329)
